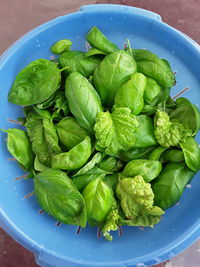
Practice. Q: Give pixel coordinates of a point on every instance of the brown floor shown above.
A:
(20, 16)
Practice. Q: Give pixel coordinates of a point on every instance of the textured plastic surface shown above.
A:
(61, 246)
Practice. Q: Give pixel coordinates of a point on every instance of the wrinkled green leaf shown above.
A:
(148, 169)
(35, 83)
(74, 158)
(111, 73)
(98, 40)
(115, 131)
(169, 133)
(98, 197)
(58, 196)
(19, 146)
(70, 132)
(43, 136)
(169, 186)
(111, 224)
(136, 200)
(84, 102)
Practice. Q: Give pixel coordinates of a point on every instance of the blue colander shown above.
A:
(61, 246)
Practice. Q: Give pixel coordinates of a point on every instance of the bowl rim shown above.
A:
(164, 253)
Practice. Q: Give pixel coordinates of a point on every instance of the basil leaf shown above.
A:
(136, 153)
(130, 94)
(98, 40)
(152, 66)
(76, 61)
(169, 186)
(111, 73)
(94, 52)
(173, 155)
(70, 132)
(187, 114)
(116, 131)
(58, 196)
(152, 91)
(90, 165)
(74, 158)
(191, 153)
(19, 146)
(148, 169)
(38, 166)
(84, 179)
(144, 133)
(111, 164)
(84, 102)
(61, 46)
(156, 153)
(98, 197)
(35, 83)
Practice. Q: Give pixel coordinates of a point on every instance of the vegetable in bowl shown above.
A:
(101, 133)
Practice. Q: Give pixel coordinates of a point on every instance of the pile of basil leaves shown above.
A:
(104, 141)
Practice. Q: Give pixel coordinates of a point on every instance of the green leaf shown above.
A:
(112, 180)
(90, 165)
(35, 83)
(144, 133)
(157, 152)
(84, 179)
(74, 158)
(61, 46)
(169, 186)
(152, 91)
(152, 66)
(98, 40)
(111, 73)
(136, 153)
(98, 197)
(94, 52)
(130, 94)
(19, 146)
(76, 61)
(58, 196)
(115, 131)
(111, 164)
(84, 102)
(111, 224)
(187, 114)
(169, 133)
(70, 132)
(43, 136)
(136, 200)
(38, 166)
(148, 169)
(172, 155)
(61, 104)
(191, 153)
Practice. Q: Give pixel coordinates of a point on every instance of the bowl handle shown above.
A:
(123, 8)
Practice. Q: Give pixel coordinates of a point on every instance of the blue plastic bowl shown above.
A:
(61, 246)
